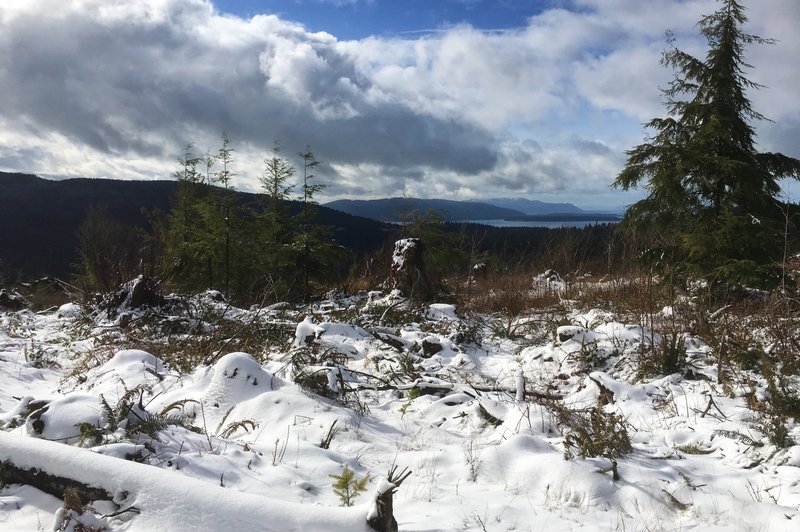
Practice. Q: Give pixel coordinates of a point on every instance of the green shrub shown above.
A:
(347, 487)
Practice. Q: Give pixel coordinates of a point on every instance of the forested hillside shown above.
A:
(40, 218)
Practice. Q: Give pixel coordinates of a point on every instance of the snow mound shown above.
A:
(58, 420)
(131, 363)
(441, 311)
(69, 311)
(237, 377)
(343, 332)
(307, 332)
(126, 370)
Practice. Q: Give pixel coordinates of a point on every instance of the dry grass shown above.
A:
(185, 352)
(517, 294)
(506, 293)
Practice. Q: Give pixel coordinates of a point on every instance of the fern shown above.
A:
(89, 433)
(734, 435)
(236, 425)
(150, 424)
(177, 405)
(111, 416)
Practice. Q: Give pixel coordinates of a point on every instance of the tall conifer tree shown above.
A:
(712, 206)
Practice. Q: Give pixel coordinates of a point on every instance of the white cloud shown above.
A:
(116, 89)
(624, 80)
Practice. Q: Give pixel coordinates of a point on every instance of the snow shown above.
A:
(244, 450)
(62, 415)
(441, 311)
(305, 330)
(170, 501)
(236, 378)
(401, 249)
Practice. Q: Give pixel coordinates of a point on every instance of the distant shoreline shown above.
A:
(566, 217)
(543, 221)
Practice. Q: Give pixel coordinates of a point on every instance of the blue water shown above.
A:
(539, 223)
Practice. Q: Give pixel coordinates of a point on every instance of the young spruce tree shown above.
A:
(317, 254)
(224, 177)
(183, 240)
(712, 208)
(275, 228)
(306, 236)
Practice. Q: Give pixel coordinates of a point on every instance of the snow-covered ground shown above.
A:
(235, 444)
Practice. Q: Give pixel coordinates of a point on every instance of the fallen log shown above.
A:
(421, 384)
(51, 484)
(451, 386)
(169, 500)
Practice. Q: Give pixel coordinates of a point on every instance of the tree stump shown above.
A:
(407, 272)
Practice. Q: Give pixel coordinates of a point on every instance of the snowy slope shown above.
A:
(242, 451)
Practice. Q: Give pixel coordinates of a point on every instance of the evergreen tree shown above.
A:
(276, 237)
(348, 487)
(316, 251)
(224, 177)
(195, 227)
(206, 228)
(208, 160)
(712, 207)
(277, 172)
(188, 177)
(309, 189)
(444, 253)
(225, 157)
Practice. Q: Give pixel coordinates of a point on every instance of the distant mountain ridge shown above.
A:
(535, 207)
(398, 209)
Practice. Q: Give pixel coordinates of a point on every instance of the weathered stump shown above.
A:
(139, 293)
(12, 301)
(382, 519)
(408, 273)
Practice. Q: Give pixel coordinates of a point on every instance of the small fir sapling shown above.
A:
(347, 487)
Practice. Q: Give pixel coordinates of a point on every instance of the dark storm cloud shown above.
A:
(15, 158)
(592, 147)
(147, 82)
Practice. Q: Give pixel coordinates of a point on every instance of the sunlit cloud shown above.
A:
(545, 110)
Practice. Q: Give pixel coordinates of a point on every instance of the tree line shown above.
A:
(210, 238)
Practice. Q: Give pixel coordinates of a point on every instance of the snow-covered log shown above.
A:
(168, 500)
(54, 485)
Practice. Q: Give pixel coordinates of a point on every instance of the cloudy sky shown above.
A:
(456, 99)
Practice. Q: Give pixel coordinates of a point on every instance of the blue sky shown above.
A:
(356, 19)
(453, 99)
